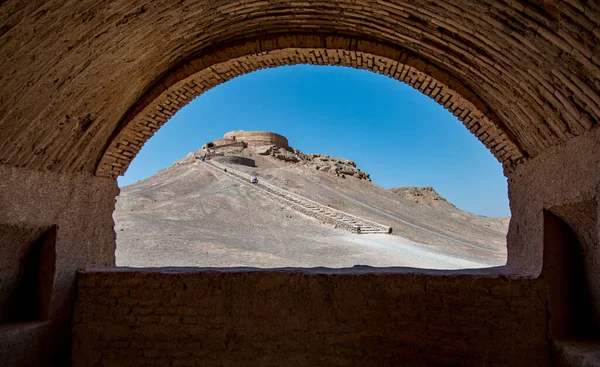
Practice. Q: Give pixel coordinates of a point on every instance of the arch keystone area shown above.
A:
(193, 78)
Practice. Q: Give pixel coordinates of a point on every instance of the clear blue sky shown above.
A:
(392, 131)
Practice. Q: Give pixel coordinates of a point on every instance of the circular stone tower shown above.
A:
(258, 138)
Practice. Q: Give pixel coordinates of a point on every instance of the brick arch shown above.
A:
(197, 76)
(76, 74)
(72, 75)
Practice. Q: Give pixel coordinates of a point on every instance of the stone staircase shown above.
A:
(306, 206)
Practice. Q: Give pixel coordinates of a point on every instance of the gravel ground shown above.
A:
(188, 215)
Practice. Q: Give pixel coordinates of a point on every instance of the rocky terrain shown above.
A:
(193, 215)
(426, 195)
(340, 167)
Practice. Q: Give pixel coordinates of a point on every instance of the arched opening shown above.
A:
(190, 215)
(76, 78)
(193, 78)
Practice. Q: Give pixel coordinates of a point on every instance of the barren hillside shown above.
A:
(193, 214)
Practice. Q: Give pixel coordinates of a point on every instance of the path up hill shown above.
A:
(194, 214)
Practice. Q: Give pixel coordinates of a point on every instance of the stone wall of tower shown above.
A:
(258, 138)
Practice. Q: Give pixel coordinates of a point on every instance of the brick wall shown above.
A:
(258, 138)
(397, 65)
(269, 318)
(75, 76)
(79, 208)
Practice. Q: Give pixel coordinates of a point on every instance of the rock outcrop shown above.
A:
(340, 167)
(425, 195)
(277, 146)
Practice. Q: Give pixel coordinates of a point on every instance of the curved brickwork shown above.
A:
(145, 123)
(83, 87)
(258, 138)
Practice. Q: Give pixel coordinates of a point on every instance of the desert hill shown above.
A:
(194, 214)
(426, 194)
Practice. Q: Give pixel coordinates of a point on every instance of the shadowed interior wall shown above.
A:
(16, 244)
(81, 209)
(570, 311)
(585, 254)
(294, 318)
(27, 292)
(564, 175)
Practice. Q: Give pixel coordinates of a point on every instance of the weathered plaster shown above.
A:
(81, 208)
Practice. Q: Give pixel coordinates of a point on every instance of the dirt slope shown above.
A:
(190, 215)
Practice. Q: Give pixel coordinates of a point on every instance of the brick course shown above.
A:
(84, 87)
(301, 318)
(146, 122)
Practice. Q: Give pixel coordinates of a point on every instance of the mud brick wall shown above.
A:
(291, 318)
(258, 138)
(128, 143)
(80, 209)
(522, 75)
